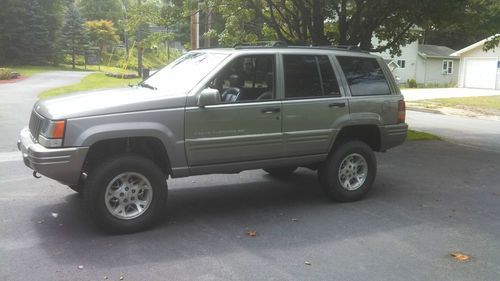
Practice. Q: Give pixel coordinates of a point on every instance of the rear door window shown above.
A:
(364, 76)
(308, 76)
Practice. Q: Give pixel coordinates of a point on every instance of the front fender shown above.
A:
(166, 126)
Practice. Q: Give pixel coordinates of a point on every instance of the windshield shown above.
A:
(184, 73)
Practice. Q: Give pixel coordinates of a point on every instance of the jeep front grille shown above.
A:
(36, 122)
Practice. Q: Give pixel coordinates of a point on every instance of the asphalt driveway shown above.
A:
(17, 99)
(429, 199)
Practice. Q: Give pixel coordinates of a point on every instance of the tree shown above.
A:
(38, 42)
(28, 31)
(342, 22)
(100, 10)
(73, 39)
(101, 33)
(480, 19)
(492, 42)
(140, 17)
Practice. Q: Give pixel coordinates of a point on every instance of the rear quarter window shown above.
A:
(364, 76)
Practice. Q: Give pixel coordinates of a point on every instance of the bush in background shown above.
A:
(412, 83)
(7, 73)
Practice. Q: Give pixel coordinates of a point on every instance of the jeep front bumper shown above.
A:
(61, 164)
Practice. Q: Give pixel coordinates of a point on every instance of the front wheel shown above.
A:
(126, 193)
(348, 173)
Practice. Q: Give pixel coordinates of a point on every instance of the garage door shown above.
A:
(481, 73)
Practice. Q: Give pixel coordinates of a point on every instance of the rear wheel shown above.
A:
(126, 193)
(280, 172)
(348, 173)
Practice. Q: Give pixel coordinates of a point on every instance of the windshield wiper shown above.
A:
(146, 85)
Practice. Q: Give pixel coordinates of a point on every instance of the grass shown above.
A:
(489, 105)
(491, 102)
(420, 136)
(90, 82)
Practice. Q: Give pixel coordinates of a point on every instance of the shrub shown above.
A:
(122, 75)
(7, 73)
(412, 83)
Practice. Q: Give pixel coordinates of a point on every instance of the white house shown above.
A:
(427, 64)
(478, 68)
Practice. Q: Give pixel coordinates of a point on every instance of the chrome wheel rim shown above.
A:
(353, 171)
(128, 195)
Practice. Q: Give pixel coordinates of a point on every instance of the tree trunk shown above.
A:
(318, 24)
(73, 53)
(139, 47)
(343, 26)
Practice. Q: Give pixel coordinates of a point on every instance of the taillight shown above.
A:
(401, 111)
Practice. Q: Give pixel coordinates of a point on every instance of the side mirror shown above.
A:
(208, 97)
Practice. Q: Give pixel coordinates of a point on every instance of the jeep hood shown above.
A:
(108, 102)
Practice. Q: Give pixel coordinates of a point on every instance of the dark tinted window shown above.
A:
(330, 85)
(309, 76)
(301, 76)
(364, 76)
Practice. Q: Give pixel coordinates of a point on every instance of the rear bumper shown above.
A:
(392, 135)
(61, 164)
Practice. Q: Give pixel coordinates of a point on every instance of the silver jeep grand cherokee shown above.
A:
(219, 111)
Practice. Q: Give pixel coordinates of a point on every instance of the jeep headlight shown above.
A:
(52, 133)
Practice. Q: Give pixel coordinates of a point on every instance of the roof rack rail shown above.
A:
(351, 48)
(261, 44)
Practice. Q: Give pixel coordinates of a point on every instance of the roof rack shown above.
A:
(352, 48)
(260, 44)
(282, 44)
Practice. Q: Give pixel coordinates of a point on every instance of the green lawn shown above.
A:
(492, 102)
(420, 136)
(28, 70)
(90, 82)
(482, 105)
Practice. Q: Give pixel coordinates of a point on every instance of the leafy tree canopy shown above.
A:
(347, 22)
(101, 9)
(101, 33)
(29, 30)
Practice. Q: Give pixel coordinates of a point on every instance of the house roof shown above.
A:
(473, 46)
(434, 51)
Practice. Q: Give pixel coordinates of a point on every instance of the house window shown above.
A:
(447, 67)
(402, 63)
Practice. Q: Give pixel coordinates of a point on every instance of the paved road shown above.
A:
(484, 134)
(17, 99)
(429, 199)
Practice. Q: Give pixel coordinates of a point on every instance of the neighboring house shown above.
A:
(427, 64)
(479, 69)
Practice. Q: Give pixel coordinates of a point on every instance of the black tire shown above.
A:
(280, 172)
(102, 175)
(328, 173)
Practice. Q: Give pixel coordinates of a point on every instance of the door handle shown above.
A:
(336, 105)
(271, 110)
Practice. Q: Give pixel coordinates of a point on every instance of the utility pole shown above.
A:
(209, 26)
(139, 45)
(195, 29)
